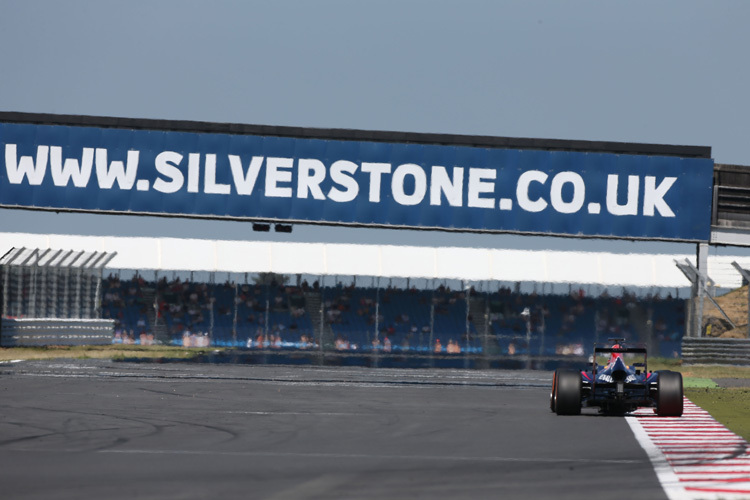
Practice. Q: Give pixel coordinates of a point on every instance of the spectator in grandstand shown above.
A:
(404, 344)
(276, 341)
(279, 303)
(129, 338)
(438, 346)
(134, 293)
(453, 347)
(387, 344)
(304, 341)
(341, 343)
(187, 338)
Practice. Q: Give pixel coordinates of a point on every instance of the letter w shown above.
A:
(108, 173)
(62, 172)
(18, 168)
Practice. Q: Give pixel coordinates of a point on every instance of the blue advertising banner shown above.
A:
(296, 179)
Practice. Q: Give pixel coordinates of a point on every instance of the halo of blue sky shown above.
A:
(672, 72)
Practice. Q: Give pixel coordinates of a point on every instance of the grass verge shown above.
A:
(115, 352)
(730, 406)
(699, 371)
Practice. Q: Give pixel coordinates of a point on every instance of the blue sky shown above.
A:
(655, 72)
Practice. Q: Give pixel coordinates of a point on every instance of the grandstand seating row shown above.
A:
(282, 316)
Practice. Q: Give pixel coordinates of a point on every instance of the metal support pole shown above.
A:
(79, 276)
(234, 319)
(526, 314)
(486, 342)
(6, 281)
(19, 290)
(377, 311)
(702, 259)
(32, 298)
(45, 296)
(265, 326)
(543, 328)
(98, 295)
(211, 325)
(322, 318)
(87, 306)
(53, 311)
(432, 325)
(701, 300)
(745, 275)
(468, 295)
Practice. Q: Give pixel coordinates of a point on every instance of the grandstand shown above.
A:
(346, 318)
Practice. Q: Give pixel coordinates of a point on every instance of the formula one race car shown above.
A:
(620, 386)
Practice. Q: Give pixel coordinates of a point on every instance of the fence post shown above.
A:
(745, 275)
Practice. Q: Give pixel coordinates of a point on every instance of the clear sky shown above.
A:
(672, 72)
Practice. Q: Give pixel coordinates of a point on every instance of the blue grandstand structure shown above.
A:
(348, 318)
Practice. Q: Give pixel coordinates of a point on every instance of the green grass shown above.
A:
(695, 383)
(699, 371)
(730, 406)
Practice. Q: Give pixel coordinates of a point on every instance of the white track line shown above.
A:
(694, 456)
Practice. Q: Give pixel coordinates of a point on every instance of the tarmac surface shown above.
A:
(115, 430)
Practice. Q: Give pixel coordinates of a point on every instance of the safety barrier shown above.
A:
(716, 351)
(54, 331)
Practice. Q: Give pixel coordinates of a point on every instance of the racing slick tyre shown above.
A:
(669, 394)
(553, 394)
(567, 394)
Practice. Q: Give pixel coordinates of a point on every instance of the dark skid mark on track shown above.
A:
(157, 427)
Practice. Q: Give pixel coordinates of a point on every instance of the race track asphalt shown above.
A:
(116, 430)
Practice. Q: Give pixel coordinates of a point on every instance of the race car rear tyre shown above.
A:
(553, 394)
(669, 394)
(568, 393)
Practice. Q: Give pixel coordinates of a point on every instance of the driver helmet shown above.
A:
(615, 355)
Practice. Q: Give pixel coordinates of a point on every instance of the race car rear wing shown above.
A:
(639, 349)
(608, 350)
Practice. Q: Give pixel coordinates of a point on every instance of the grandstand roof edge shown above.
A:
(360, 135)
